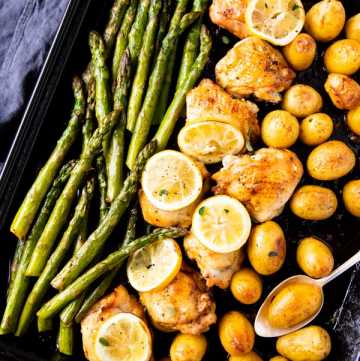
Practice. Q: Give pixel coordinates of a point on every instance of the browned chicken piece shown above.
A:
(216, 268)
(184, 305)
(263, 182)
(116, 302)
(230, 15)
(343, 91)
(253, 66)
(208, 101)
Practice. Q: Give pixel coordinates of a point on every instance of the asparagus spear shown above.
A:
(102, 184)
(18, 291)
(30, 205)
(65, 341)
(42, 284)
(104, 285)
(163, 25)
(68, 314)
(44, 324)
(173, 113)
(97, 239)
(63, 205)
(146, 114)
(15, 264)
(58, 302)
(88, 127)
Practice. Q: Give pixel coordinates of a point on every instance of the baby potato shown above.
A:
(246, 286)
(279, 129)
(314, 257)
(311, 343)
(188, 347)
(300, 53)
(316, 129)
(343, 57)
(302, 100)
(278, 358)
(325, 20)
(266, 248)
(353, 120)
(352, 28)
(294, 304)
(351, 197)
(251, 356)
(330, 160)
(236, 333)
(313, 203)
(343, 91)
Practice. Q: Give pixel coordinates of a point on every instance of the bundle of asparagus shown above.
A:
(126, 87)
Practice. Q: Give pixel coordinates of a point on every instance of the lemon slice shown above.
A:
(277, 21)
(222, 224)
(154, 266)
(210, 141)
(171, 180)
(124, 337)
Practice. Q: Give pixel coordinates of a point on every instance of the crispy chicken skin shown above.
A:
(216, 268)
(208, 101)
(230, 15)
(263, 182)
(116, 302)
(184, 305)
(253, 66)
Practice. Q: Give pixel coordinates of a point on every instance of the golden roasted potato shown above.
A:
(236, 333)
(343, 91)
(343, 57)
(302, 100)
(267, 248)
(352, 28)
(325, 20)
(300, 53)
(279, 129)
(251, 356)
(316, 129)
(188, 347)
(351, 197)
(353, 120)
(246, 286)
(330, 160)
(313, 203)
(294, 304)
(311, 343)
(278, 358)
(314, 257)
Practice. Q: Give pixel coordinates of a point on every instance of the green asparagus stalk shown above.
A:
(15, 264)
(68, 314)
(173, 113)
(65, 341)
(45, 324)
(104, 285)
(146, 114)
(122, 38)
(97, 239)
(163, 25)
(42, 284)
(18, 291)
(30, 205)
(88, 127)
(58, 302)
(102, 184)
(62, 207)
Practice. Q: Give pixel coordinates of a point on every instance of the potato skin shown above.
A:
(294, 304)
(351, 197)
(188, 347)
(251, 356)
(314, 257)
(316, 129)
(343, 57)
(353, 120)
(325, 20)
(236, 333)
(300, 53)
(278, 358)
(313, 203)
(302, 100)
(266, 248)
(246, 286)
(330, 160)
(352, 28)
(311, 343)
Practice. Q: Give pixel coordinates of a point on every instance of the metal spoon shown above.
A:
(262, 325)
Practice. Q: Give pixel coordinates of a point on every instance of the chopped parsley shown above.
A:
(163, 192)
(202, 211)
(225, 40)
(275, 15)
(295, 7)
(104, 341)
(273, 254)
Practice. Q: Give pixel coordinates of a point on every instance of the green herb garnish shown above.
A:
(295, 7)
(104, 341)
(202, 211)
(163, 192)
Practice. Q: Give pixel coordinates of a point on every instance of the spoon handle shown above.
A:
(341, 269)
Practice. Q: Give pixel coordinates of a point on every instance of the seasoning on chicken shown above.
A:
(216, 268)
(253, 66)
(185, 305)
(263, 182)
